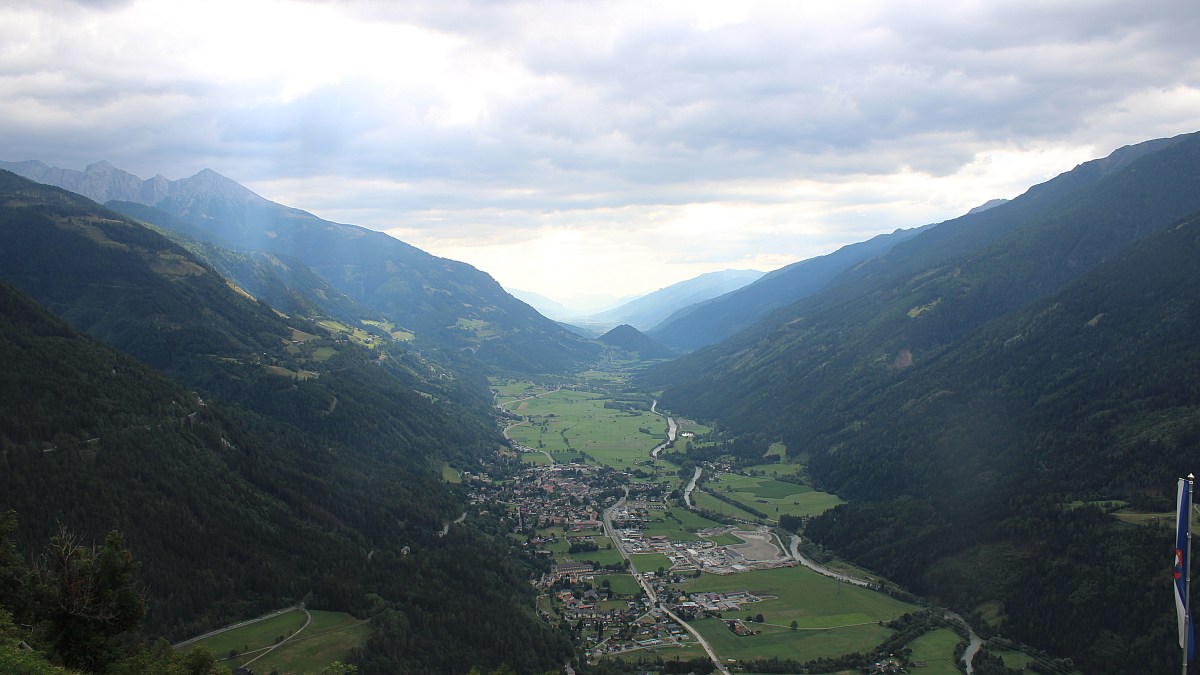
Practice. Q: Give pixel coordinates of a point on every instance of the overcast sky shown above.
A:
(602, 148)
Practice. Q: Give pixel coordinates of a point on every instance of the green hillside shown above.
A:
(975, 389)
(329, 490)
(137, 291)
(447, 304)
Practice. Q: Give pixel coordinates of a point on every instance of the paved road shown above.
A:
(973, 644)
(821, 569)
(277, 645)
(230, 627)
(612, 533)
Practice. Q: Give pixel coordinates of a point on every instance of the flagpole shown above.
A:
(1187, 584)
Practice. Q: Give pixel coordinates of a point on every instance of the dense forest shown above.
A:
(289, 464)
(987, 391)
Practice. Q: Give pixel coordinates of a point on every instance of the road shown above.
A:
(616, 539)
(277, 645)
(973, 644)
(821, 569)
(232, 626)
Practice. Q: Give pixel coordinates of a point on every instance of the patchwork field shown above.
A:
(566, 423)
(832, 618)
(768, 495)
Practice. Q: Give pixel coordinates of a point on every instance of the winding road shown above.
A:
(612, 534)
(974, 643)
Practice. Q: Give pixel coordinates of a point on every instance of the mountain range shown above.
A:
(443, 304)
(984, 391)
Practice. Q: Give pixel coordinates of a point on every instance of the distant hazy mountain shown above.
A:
(649, 310)
(709, 322)
(629, 339)
(989, 204)
(445, 303)
(546, 306)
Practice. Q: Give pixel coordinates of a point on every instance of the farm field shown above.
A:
(649, 562)
(623, 584)
(568, 422)
(832, 618)
(252, 636)
(678, 524)
(936, 648)
(784, 643)
(328, 638)
(768, 495)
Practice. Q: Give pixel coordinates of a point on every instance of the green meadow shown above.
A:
(832, 618)
(253, 636)
(649, 562)
(768, 495)
(568, 422)
(678, 524)
(623, 585)
(328, 638)
(936, 648)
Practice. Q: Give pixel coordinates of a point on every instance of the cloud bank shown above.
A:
(602, 148)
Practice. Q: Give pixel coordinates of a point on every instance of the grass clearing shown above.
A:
(329, 638)
(649, 562)
(832, 618)
(252, 636)
(936, 648)
(569, 421)
(623, 585)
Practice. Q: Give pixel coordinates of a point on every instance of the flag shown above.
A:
(1182, 522)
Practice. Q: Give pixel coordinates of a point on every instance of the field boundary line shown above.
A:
(277, 645)
(233, 626)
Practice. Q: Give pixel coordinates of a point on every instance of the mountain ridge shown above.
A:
(446, 304)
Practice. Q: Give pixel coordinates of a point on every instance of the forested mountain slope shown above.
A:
(445, 303)
(807, 363)
(286, 284)
(1091, 394)
(231, 514)
(651, 309)
(711, 321)
(131, 287)
(973, 389)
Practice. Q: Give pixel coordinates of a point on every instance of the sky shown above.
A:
(588, 150)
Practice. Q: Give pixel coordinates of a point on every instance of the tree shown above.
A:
(85, 598)
(794, 624)
(14, 576)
